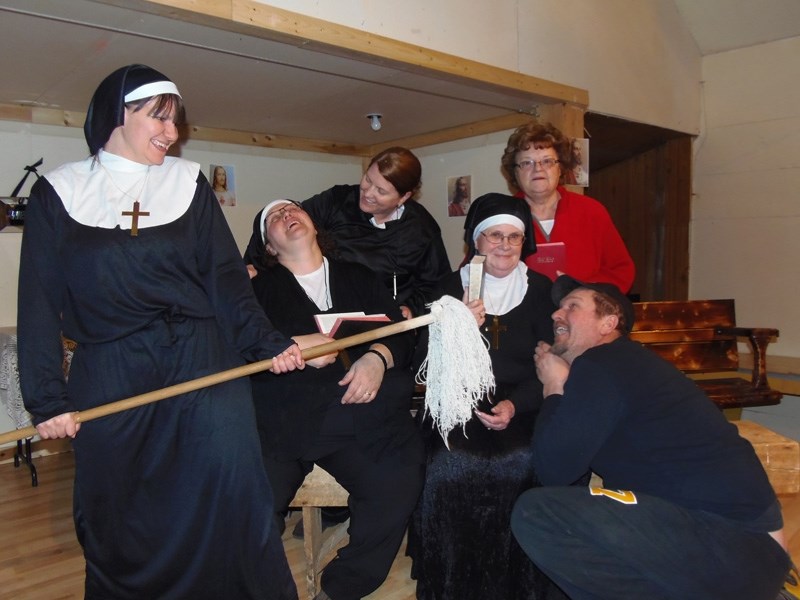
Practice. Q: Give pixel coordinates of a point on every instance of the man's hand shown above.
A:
(552, 370)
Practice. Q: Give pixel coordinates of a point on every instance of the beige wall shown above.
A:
(746, 210)
(636, 58)
(478, 157)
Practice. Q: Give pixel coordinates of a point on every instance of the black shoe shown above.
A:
(330, 517)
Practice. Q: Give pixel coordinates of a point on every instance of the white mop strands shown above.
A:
(457, 372)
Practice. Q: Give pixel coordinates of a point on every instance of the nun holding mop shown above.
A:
(460, 537)
(127, 253)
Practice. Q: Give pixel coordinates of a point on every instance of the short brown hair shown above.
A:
(164, 104)
(538, 136)
(605, 305)
(401, 168)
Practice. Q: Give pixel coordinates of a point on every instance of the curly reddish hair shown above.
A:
(535, 135)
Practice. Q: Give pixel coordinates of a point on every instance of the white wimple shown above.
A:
(458, 370)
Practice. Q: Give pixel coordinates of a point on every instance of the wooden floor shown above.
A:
(40, 558)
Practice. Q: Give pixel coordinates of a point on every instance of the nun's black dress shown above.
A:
(171, 499)
(460, 535)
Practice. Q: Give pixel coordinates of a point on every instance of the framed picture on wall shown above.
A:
(579, 173)
(459, 195)
(223, 182)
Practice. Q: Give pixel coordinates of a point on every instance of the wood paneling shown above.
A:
(649, 198)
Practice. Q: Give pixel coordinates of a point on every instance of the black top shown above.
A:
(98, 285)
(410, 247)
(290, 408)
(642, 425)
(155, 484)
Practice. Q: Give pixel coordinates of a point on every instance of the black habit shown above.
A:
(155, 485)
(373, 449)
(408, 254)
(460, 536)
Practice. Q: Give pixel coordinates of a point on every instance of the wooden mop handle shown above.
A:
(223, 376)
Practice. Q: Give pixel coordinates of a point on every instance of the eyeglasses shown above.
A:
(495, 238)
(277, 215)
(545, 163)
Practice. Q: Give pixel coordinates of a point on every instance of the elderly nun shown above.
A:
(460, 537)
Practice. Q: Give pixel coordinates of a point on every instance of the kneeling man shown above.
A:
(686, 510)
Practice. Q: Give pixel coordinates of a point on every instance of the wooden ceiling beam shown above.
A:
(316, 35)
(50, 116)
(564, 105)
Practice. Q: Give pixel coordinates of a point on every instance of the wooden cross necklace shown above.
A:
(495, 328)
(135, 213)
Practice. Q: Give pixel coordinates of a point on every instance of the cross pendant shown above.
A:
(495, 330)
(135, 213)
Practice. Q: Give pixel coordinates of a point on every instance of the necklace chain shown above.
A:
(138, 196)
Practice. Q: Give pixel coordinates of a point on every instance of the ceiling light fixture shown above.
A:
(375, 121)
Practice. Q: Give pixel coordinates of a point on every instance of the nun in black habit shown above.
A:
(127, 253)
(379, 224)
(460, 535)
(350, 415)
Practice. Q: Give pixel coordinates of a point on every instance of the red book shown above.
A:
(337, 325)
(548, 259)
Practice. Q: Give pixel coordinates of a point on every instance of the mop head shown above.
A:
(457, 372)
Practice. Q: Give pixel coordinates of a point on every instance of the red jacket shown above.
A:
(594, 249)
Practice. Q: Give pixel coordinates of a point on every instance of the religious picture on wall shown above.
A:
(578, 172)
(458, 195)
(222, 182)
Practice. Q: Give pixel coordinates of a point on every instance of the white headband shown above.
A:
(155, 88)
(263, 219)
(497, 220)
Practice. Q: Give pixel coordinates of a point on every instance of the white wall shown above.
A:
(636, 58)
(478, 157)
(745, 213)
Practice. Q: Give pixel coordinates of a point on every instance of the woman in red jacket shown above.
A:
(534, 161)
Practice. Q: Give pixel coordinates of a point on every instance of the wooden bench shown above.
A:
(319, 489)
(701, 337)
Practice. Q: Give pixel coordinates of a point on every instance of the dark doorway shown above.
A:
(642, 174)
